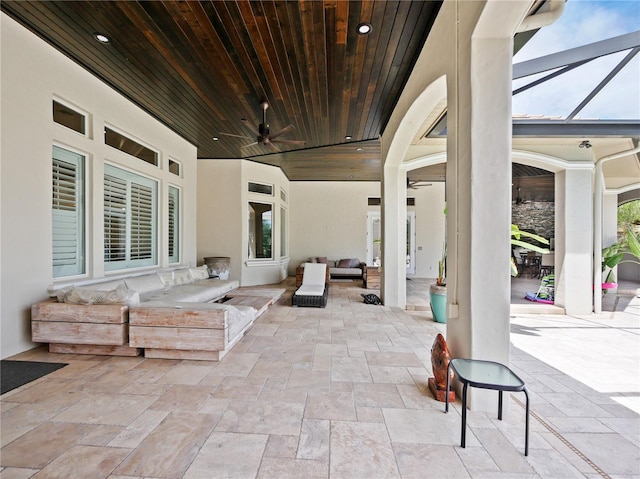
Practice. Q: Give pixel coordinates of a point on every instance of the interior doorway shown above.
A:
(374, 240)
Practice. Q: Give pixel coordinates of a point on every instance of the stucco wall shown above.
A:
(33, 73)
(330, 219)
(223, 198)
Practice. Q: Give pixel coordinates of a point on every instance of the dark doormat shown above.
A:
(14, 374)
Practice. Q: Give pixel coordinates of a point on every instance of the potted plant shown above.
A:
(438, 291)
(613, 255)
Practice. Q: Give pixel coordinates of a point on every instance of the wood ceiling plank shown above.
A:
(201, 66)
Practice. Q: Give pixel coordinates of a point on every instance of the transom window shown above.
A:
(129, 146)
(174, 167)
(66, 116)
(261, 188)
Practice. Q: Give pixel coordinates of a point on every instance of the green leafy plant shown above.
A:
(442, 267)
(516, 235)
(613, 255)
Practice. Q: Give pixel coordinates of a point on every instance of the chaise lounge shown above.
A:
(314, 291)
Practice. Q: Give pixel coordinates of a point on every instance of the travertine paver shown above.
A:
(336, 392)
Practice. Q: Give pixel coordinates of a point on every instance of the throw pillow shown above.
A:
(322, 259)
(181, 276)
(355, 263)
(313, 259)
(120, 295)
(344, 263)
(202, 272)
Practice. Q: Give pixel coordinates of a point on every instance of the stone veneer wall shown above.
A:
(535, 215)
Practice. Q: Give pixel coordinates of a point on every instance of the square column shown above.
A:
(479, 207)
(574, 240)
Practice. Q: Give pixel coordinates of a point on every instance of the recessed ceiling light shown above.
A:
(101, 38)
(215, 138)
(348, 137)
(364, 28)
(359, 149)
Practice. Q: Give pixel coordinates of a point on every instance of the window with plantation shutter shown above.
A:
(68, 211)
(174, 224)
(130, 219)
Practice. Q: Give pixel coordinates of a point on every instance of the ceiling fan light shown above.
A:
(364, 28)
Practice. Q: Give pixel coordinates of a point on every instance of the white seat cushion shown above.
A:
(310, 290)
(314, 274)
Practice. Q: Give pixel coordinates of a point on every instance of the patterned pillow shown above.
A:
(181, 276)
(120, 295)
(167, 278)
(199, 273)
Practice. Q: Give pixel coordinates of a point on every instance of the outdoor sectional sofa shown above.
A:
(336, 269)
(171, 314)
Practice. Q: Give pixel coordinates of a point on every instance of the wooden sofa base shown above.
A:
(184, 354)
(98, 350)
(81, 329)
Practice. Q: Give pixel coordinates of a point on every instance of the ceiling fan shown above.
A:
(264, 136)
(415, 184)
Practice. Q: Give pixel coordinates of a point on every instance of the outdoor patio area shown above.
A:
(339, 392)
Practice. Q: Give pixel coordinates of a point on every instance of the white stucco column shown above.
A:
(393, 286)
(574, 240)
(478, 202)
(609, 218)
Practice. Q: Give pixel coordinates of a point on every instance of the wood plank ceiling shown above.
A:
(203, 68)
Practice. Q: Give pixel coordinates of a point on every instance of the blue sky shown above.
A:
(584, 22)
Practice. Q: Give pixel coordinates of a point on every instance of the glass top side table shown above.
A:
(486, 375)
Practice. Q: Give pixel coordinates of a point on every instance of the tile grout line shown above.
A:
(562, 439)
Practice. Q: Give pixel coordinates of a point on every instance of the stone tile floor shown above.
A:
(339, 392)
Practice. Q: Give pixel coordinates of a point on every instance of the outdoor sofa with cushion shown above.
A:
(337, 269)
(169, 310)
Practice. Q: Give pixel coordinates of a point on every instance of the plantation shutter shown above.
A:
(130, 219)
(115, 219)
(67, 213)
(141, 222)
(174, 225)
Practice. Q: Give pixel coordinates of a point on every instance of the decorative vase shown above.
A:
(219, 266)
(438, 299)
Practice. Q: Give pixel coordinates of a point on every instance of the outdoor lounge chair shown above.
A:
(314, 290)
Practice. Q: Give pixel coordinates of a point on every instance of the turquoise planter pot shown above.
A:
(438, 298)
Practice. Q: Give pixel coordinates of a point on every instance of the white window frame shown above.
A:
(261, 183)
(284, 230)
(79, 111)
(133, 183)
(68, 223)
(251, 241)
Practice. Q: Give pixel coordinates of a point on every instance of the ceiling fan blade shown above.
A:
(250, 144)
(287, 142)
(236, 136)
(284, 131)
